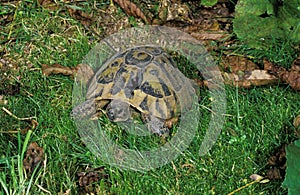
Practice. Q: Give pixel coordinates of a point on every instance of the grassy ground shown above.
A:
(258, 120)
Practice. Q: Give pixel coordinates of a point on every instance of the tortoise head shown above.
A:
(118, 110)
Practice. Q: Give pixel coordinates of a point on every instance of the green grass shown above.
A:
(257, 121)
(282, 53)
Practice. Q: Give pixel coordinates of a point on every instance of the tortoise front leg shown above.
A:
(156, 125)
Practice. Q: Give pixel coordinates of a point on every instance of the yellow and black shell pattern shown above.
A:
(144, 77)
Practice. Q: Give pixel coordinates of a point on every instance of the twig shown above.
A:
(132, 9)
(13, 22)
(248, 184)
(10, 132)
(14, 116)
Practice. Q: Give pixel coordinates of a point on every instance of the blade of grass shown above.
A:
(21, 156)
(3, 182)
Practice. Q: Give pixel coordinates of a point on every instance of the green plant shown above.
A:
(257, 22)
(209, 2)
(17, 182)
(293, 168)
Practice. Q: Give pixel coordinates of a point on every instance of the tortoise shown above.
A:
(144, 79)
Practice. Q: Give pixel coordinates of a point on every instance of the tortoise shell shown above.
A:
(144, 77)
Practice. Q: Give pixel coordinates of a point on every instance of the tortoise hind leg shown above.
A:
(156, 125)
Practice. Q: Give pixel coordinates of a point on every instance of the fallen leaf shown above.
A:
(273, 69)
(277, 163)
(33, 158)
(58, 69)
(80, 15)
(291, 77)
(235, 64)
(274, 174)
(210, 35)
(296, 121)
(279, 157)
(296, 64)
(256, 177)
(250, 78)
(89, 177)
(210, 23)
(265, 181)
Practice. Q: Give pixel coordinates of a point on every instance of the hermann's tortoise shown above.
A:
(144, 79)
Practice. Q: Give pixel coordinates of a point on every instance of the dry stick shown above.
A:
(14, 116)
(248, 184)
(13, 21)
(132, 9)
(9, 131)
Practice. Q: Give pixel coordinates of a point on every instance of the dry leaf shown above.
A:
(274, 173)
(259, 178)
(87, 178)
(279, 157)
(58, 69)
(250, 78)
(211, 23)
(33, 158)
(292, 77)
(296, 64)
(83, 17)
(237, 63)
(210, 35)
(278, 71)
(277, 163)
(296, 121)
(256, 177)
(265, 181)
